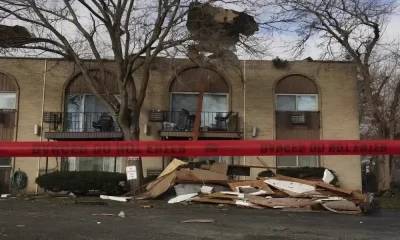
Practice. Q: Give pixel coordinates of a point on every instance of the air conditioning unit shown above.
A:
(299, 118)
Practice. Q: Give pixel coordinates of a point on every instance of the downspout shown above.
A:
(244, 106)
(41, 120)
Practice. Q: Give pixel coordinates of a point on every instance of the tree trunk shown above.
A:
(384, 176)
(132, 133)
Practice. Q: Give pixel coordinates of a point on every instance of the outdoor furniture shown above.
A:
(104, 124)
(190, 118)
(221, 119)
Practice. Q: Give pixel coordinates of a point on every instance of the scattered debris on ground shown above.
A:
(198, 221)
(104, 214)
(205, 183)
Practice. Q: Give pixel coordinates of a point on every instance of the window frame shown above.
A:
(74, 161)
(197, 93)
(7, 166)
(117, 96)
(297, 162)
(297, 95)
(15, 99)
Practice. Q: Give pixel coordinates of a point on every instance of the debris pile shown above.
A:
(210, 184)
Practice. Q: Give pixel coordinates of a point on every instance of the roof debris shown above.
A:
(276, 192)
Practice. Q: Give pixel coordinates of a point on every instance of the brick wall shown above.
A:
(255, 106)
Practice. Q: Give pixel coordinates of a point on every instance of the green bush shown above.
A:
(307, 172)
(80, 183)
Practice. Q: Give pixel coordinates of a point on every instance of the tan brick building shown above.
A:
(306, 100)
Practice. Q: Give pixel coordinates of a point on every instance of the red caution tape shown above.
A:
(198, 148)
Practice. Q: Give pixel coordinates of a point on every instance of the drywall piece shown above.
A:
(114, 198)
(182, 198)
(290, 186)
(328, 176)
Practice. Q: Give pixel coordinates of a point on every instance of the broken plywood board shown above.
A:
(356, 195)
(185, 174)
(255, 183)
(155, 182)
(162, 185)
(172, 167)
(214, 200)
(208, 175)
(333, 188)
(280, 202)
(221, 195)
(219, 168)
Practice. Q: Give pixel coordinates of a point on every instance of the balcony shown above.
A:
(212, 124)
(81, 125)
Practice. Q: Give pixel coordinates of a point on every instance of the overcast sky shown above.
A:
(277, 45)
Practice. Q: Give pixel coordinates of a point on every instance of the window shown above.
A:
(8, 100)
(213, 103)
(5, 162)
(293, 102)
(297, 161)
(82, 111)
(102, 164)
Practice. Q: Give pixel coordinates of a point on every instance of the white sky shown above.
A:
(277, 46)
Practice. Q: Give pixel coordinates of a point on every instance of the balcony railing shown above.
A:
(81, 122)
(209, 121)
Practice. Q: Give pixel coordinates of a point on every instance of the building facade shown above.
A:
(48, 100)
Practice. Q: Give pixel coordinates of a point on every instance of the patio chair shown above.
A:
(221, 119)
(190, 118)
(104, 124)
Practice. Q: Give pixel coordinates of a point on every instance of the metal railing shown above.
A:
(209, 121)
(81, 122)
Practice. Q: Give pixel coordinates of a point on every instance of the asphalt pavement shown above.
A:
(52, 219)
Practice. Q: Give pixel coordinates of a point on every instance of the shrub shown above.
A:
(80, 183)
(306, 172)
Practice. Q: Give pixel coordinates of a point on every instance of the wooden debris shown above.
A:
(254, 183)
(208, 175)
(221, 195)
(185, 174)
(161, 185)
(198, 221)
(278, 192)
(303, 181)
(248, 204)
(214, 200)
(176, 163)
(342, 207)
(219, 168)
(280, 202)
(146, 206)
(103, 214)
(333, 188)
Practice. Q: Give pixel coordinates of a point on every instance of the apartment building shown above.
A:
(48, 100)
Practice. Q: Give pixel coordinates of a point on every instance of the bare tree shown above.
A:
(350, 29)
(134, 32)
